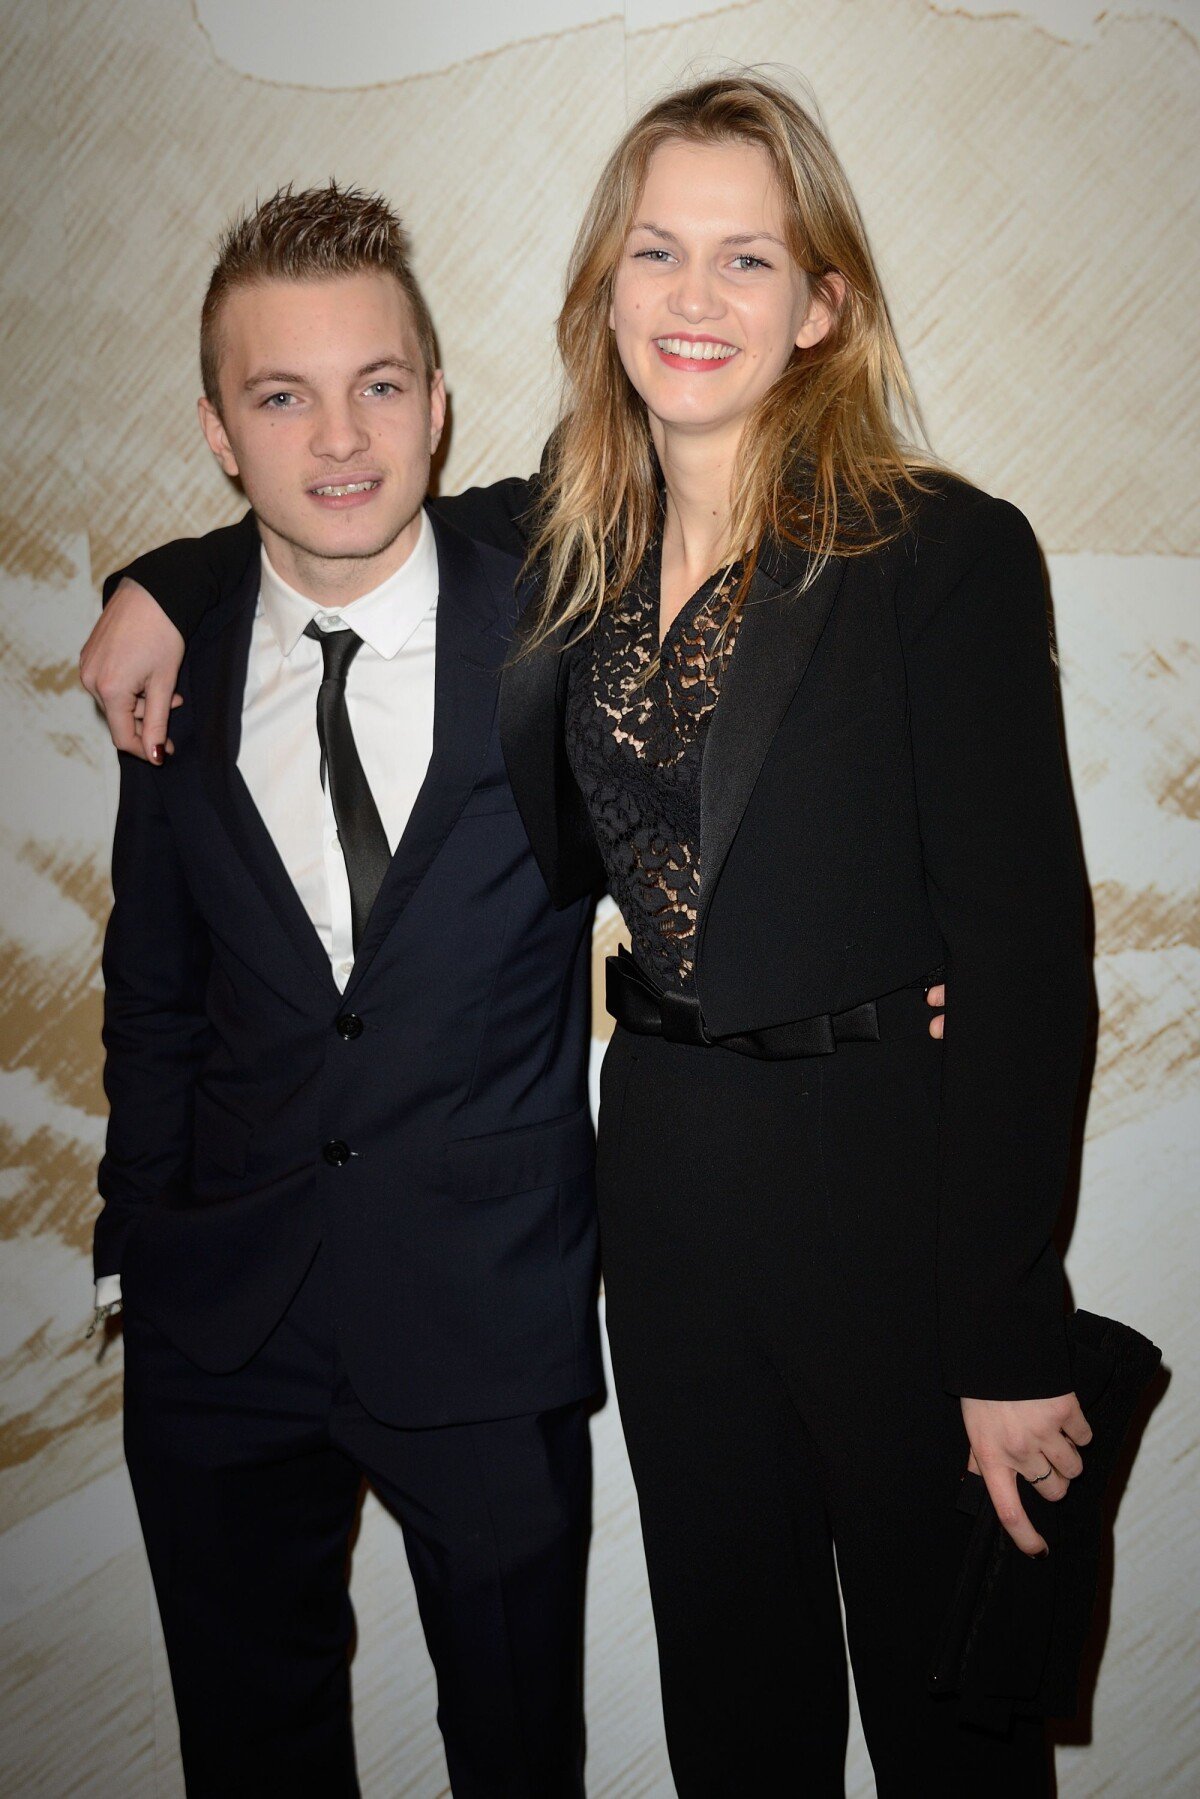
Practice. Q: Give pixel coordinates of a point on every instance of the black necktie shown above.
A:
(360, 829)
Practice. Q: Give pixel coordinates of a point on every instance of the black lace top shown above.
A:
(636, 747)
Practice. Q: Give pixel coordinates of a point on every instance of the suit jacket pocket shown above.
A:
(522, 1160)
(222, 1138)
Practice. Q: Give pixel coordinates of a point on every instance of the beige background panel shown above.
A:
(1030, 201)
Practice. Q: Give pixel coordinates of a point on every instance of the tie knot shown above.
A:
(338, 648)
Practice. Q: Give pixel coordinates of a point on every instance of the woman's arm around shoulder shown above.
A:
(130, 662)
(499, 515)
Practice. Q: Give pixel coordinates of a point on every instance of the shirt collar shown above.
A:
(385, 618)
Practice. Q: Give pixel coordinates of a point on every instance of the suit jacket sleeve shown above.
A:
(1006, 885)
(189, 575)
(156, 1031)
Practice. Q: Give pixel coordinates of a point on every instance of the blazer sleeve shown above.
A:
(156, 1030)
(1005, 882)
(189, 575)
(499, 515)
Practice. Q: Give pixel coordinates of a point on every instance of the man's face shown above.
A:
(328, 419)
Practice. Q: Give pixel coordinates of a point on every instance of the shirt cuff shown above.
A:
(108, 1290)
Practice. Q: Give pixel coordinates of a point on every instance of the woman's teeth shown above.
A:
(337, 493)
(707, 352)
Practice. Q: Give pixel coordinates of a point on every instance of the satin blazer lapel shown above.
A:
(470, 647)
(218, 674)
(779, 631)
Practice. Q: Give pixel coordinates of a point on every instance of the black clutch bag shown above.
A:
(1013, 1637)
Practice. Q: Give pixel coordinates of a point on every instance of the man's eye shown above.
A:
(383, 387)
(278, 402)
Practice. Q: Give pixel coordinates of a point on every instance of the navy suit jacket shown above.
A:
(429, 1126)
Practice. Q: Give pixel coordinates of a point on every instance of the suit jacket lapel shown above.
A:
(779, 631)
(218, 667)
(471, 646)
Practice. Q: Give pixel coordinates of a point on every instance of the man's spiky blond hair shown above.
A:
(309, 236)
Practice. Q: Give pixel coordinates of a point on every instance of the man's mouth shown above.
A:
(695, 349)
(337, 490)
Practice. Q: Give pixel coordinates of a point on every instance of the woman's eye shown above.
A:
(750, 262)
(650, 255)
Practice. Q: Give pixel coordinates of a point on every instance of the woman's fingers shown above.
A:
(129, 664)
(1075, 1426)
(1041, 1473)
(1062, 1454)
(1035, 1439)
(937, 999)
(1001, 1484)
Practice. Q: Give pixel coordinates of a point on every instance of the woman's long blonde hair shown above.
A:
(827, 460)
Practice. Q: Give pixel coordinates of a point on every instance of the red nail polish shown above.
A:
(156, 753)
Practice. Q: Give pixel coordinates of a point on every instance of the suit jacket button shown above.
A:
(349, 1026)
(336, 1153)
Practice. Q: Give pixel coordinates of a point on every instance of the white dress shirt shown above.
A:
(389, 696)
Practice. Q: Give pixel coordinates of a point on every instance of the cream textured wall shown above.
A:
(1029, 176)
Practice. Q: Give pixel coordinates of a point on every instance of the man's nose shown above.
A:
(339, 432)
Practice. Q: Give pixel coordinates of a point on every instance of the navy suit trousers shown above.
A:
(248, 1486)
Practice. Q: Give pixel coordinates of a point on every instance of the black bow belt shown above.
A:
(638, 1005)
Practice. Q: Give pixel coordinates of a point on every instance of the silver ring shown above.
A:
(1035, 1480)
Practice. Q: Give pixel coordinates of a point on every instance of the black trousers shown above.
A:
(767, 1235)
(247, 1485)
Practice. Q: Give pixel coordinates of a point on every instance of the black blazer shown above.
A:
(884, 793)
(430, 1125)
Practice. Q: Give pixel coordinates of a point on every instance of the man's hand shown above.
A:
(936, 996)
(129, 664)
(1038, 1439)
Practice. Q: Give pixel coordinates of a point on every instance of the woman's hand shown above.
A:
(129, 664)
(1038, 1439)
(936, 997)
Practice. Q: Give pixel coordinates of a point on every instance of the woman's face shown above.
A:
(707, 302)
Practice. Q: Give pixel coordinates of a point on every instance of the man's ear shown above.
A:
(216, 436)
(824, 303)
(437, 409)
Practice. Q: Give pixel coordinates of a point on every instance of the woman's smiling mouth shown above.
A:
(698, 355)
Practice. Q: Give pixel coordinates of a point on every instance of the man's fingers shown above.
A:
(1002, 1485)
